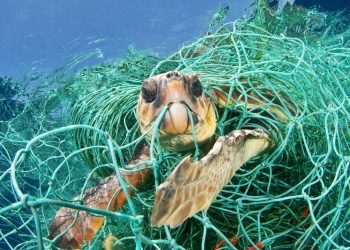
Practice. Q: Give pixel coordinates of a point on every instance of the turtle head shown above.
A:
(186, 101)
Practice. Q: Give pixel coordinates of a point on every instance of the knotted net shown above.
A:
(72, 131)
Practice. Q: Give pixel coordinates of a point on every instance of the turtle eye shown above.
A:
(149, 91)
(196, 88)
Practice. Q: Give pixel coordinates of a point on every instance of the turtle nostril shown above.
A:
(172, 74)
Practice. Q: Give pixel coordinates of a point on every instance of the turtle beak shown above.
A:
(177, 119)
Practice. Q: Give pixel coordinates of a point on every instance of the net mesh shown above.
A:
(297, 196)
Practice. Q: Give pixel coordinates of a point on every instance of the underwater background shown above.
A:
(45, 34)
(63, 62)
(41, 36)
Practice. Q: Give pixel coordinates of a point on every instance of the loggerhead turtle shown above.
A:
(191, 187)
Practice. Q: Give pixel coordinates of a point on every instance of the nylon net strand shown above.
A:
(297, 196)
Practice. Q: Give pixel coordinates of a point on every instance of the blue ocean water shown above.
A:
(43, 35)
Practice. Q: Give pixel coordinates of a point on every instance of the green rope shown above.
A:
(295, 197)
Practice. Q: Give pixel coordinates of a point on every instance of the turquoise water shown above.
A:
(47, 50)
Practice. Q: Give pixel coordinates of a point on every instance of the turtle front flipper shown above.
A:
(71, 228)
(192, 187)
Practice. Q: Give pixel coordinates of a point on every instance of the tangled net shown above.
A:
(297, 196)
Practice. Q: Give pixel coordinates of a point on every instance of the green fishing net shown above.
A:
(73, 131)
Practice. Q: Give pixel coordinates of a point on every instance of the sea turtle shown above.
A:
(191, 187)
